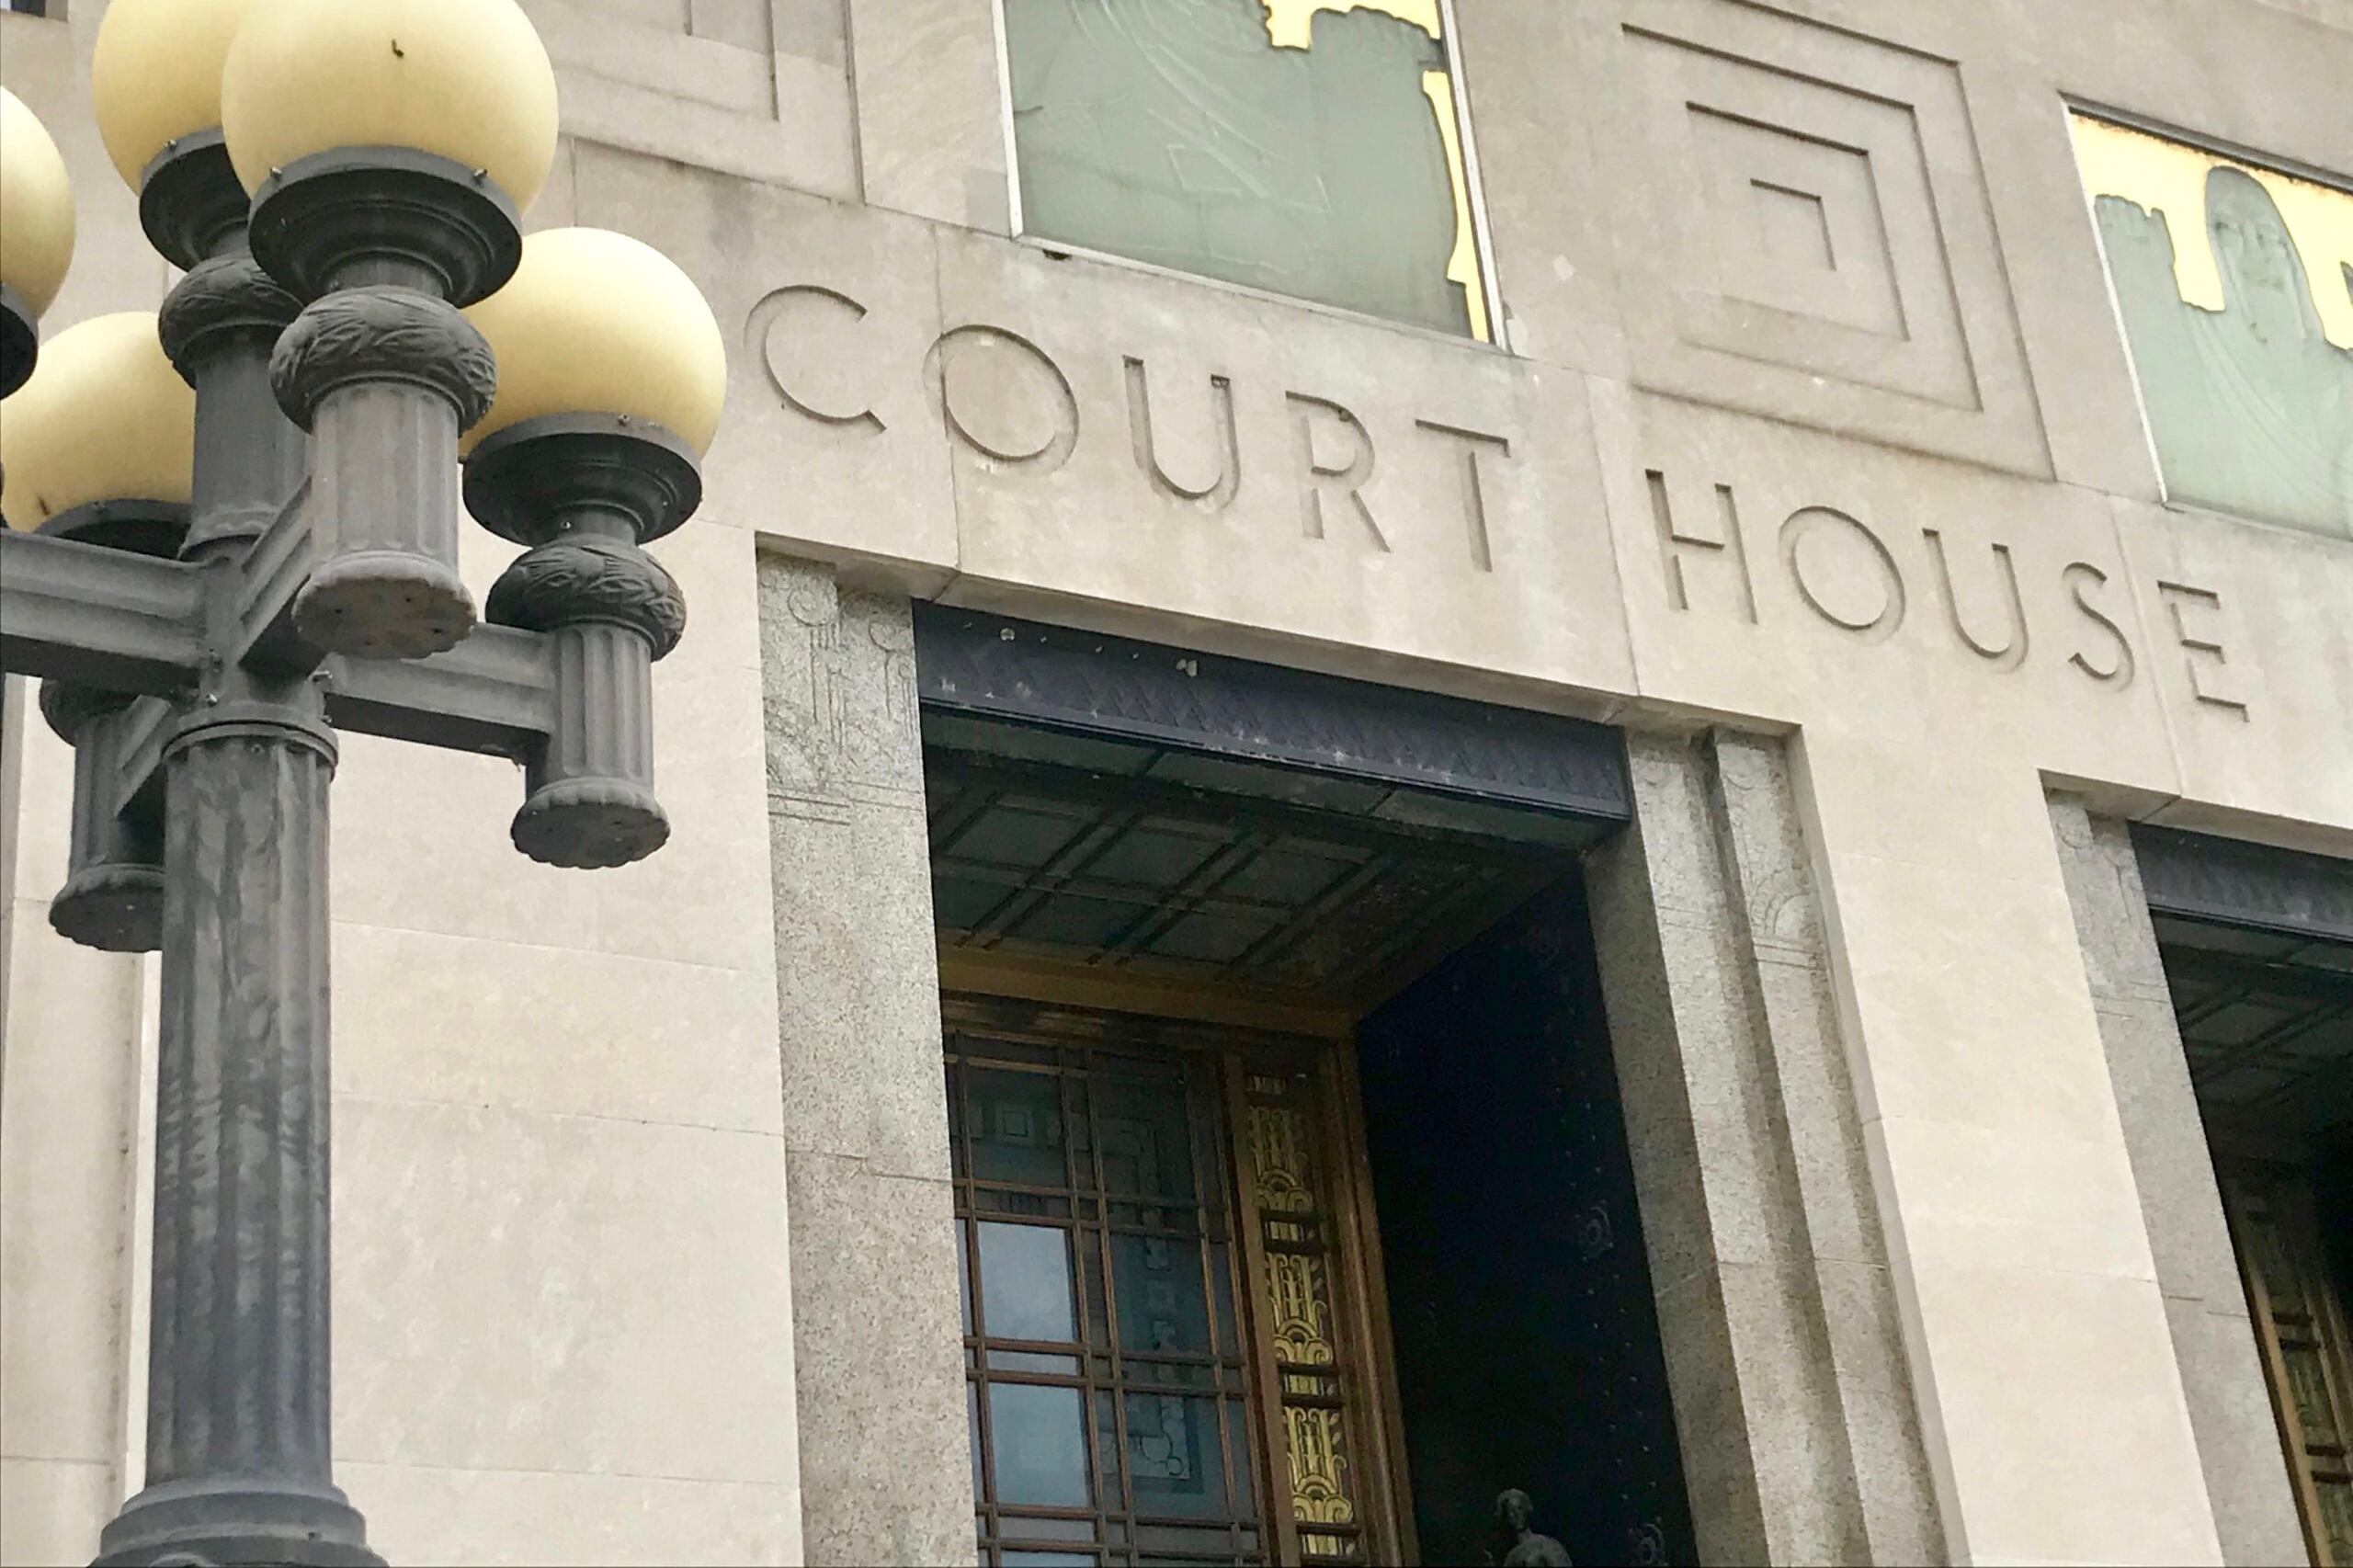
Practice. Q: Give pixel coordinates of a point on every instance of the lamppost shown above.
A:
(210, 597)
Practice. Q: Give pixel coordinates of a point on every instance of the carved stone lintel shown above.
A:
(383, 334)
(229, 296)
(385, 214)
(190, 203)
(19, 340)
(582, 581)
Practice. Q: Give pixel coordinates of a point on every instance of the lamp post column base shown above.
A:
(237, 1519)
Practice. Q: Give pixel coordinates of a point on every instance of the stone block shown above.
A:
(830, 442)
(2061, 1433)
(521, 1290)
(887, 1473)
(1809, 234)
(51, 1510)
(2251, 640)
(2238, 1438)
(1121, 438)
(1777, 573)
(427, 1515)
(556, 1030)
(68, 1111)
(932, 126)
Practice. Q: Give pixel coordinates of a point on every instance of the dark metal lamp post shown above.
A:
(209, 597)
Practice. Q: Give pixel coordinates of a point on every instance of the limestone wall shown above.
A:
(1935, 562)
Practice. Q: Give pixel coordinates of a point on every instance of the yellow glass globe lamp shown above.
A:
(598, 323)
(100, 442)
(465, 80)
(36, 234)
(155, 74)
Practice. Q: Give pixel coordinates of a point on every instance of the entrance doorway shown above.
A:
(2264, 997)
(2268, 1029)
(1294, 1212)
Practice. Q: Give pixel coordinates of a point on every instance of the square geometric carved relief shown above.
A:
(1811, 237)
(699, 81)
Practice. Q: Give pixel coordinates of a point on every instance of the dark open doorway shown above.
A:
(1179, 853)
(1528, 1345)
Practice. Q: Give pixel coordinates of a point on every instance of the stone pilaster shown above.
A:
(1784, 1349)
(2230, 1409)
(886, 1469)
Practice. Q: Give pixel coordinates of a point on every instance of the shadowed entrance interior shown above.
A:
(1295, 1215)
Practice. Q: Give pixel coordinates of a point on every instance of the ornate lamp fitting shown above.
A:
(534, 482)
(384, 377)
(143, 528)
(189, 202)
(19, 340)
(360, 215)
(584, 490)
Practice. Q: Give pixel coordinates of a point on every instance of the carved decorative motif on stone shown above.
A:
(1822, 247)
(365, 333)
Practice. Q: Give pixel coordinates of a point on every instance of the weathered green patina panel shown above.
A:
(2249, 400)
(1313, 154)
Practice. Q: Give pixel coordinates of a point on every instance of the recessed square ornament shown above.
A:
(1811, 237)
(2233, 284)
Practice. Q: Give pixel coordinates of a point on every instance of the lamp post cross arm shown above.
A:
(100, 618)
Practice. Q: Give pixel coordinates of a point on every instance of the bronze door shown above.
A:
(1171, 1341)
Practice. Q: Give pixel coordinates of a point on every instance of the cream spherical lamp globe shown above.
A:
(467, 80)
(35, 207)
(155, 74)
(598, 323)
(105, 417)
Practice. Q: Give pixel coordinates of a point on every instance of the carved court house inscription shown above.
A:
(1207, 445)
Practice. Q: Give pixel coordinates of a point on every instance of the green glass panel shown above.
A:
(1178, 132)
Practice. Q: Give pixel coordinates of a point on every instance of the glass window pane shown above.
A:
(1043, 1559)
(1040, 1444)
(1173, 1456)
(972, 1414)
(1013, 1527)
(1025, 1282)
(1032, 1361)
(1146, 1137)
(1013, 1127)
(1162, 1306)
(1308, 151)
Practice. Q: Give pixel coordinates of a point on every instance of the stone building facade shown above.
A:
(1952, 769)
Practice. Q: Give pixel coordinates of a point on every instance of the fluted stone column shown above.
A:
(2213, 1337)
(885, 1466)
(1799, 1431)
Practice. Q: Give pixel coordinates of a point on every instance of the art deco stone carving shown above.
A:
(1816, 242)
